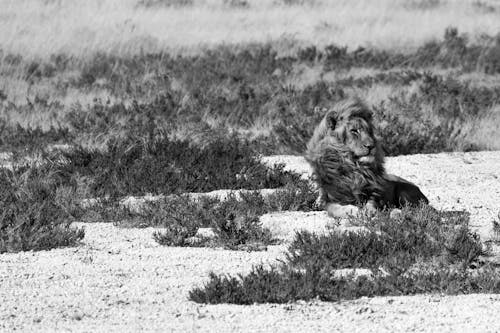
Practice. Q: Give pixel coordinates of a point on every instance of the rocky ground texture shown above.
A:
(121, 280)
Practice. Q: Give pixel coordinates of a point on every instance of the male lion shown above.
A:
(348, 164)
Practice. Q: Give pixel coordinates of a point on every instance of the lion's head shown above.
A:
(348, 128)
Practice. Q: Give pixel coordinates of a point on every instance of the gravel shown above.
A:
(121, 280)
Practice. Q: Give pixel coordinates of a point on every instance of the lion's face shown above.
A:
(357, 135)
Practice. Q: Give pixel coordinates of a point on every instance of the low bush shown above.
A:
(420, 251)
(28, 140)
(164, 3)
(434, 118)
(276, 286)
(163, 166)
(35, 212)
(453, 51)
(235, 219)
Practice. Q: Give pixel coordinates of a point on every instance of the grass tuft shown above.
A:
(33, 214)
(235, 220)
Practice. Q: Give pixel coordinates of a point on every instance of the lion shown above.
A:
(348, 164)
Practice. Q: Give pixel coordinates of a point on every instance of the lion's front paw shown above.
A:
(395, 213)
(370, 208)
(338, 210)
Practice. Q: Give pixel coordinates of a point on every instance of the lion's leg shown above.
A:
(370, 207)
(321, 200)
(337, 210)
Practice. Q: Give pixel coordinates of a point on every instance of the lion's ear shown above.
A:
(331, 119)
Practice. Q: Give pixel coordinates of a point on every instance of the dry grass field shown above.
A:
(124, 27)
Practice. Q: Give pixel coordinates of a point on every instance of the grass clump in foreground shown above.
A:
(34, 214)
(235, 222)
(235, 219)
(421, 251)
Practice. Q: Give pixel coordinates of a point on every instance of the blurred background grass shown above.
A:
(39, 28)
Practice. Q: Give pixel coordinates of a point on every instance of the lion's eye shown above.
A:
(354, 131)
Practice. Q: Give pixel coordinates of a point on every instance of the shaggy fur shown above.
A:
(348, 161)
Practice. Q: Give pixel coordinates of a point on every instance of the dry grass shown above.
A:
(484, 132)
(43, 27)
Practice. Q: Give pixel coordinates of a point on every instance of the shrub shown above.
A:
(33, 215)
(421, 251)
(180, 216)
(410, 133)
(236, 222)
(433, 118)
(234, 219)
(450, 98)
(275, 286)
(162, 166)
(20, 139)
(488, 61)
(165, 3)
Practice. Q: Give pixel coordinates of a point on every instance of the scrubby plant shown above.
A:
(236, 3)
(34, 214)
(451, 98)
(488, 61)
(163, 166)
(300, 195)
(410, 133)
(423, 4)
(165, 3)
(496, 230)
(393, 78)
(421, 250)
(20, 139)
(433, 117)
(180, 216)
(234, 219)
(283, 286)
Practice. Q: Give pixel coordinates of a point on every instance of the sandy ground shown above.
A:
(120, 280)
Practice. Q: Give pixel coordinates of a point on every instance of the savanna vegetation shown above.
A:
(420, 251)
(100, 100)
